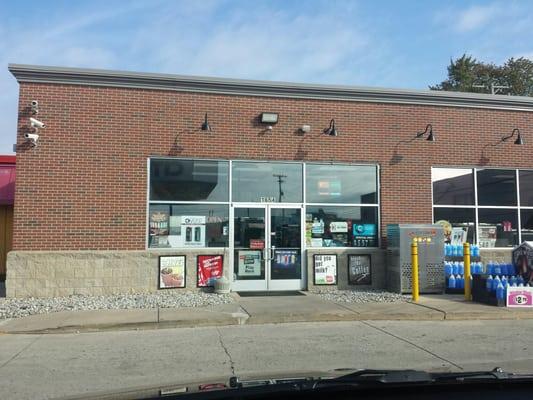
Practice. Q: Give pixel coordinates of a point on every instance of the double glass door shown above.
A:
(267, 248)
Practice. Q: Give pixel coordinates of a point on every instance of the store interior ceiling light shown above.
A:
(331, 130)
(205, 125)
(428, 131)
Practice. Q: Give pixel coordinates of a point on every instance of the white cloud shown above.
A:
(330, 43)
(476, 17)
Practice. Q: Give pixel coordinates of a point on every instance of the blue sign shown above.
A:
(364, 229)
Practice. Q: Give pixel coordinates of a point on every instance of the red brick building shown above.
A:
(123, 163)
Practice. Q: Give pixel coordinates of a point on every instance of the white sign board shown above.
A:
(249, 263)
(325, 269)
(519, 297)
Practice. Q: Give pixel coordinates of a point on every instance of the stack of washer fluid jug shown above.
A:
(500, 277)
(457, 250)
(455, 270)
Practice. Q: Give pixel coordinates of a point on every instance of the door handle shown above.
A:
(272, 249)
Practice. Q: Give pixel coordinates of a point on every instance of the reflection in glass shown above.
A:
(526, 188)
(267, 182)
(340, 226)
(327, 183)
(188, 180)
(249, 242)
(285, 228)
(497, 227)
(526, 218)
(458, 218)
(452, 186)
(496, 187)
(188, 225)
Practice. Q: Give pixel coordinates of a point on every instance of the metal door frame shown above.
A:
(267, 283)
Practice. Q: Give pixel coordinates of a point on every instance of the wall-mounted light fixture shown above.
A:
(269, 118)
(305, 128)
(331, 130)
(428, 131)
(518, 139)
(205, 125)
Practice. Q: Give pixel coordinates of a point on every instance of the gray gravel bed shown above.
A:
(361, 296)
(14, 308)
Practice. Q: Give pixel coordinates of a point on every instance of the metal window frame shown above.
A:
(230, 203)
(518, 207)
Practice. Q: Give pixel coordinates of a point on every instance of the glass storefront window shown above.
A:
(189, 180)
(346, 184)
(526, 218)
(458, 218)
(267, 182)
(188, 225)
(496, 187)
(341, 226)
(526, 188)
(452, 186)
(497, 227)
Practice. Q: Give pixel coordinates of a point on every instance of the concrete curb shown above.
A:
(261, 320)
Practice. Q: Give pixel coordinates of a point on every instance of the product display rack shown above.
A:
(448, 290)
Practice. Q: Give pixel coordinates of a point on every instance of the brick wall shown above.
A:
(84, 187)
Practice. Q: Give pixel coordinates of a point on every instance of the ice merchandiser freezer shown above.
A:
(430, 239)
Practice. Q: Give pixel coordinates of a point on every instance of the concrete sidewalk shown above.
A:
(261, 310)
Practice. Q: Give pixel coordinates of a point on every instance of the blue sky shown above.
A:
(401, 44)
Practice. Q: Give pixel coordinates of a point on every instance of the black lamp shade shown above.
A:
(205, 125)
(519, 139)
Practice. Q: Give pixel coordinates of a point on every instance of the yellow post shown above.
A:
(466, 256)
(414, 262)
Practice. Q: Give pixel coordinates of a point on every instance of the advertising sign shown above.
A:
(459, 235)
(364, 235)
(487, 235)
(338, 226)
(257, 244)
(325, 269)
(159, 229)
(359, 272)
(209, 269)
(249, 263)
(286, 259)
(520, 297)
(171, 272)
(523, 261)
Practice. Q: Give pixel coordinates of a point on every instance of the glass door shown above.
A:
(267, 250)
(285, 261)
(249, 248)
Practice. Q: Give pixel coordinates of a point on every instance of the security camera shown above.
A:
(34, 106)
(32, 137)
(36, 123)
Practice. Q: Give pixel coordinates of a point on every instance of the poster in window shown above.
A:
(359, 271)
(209, 269)
(364, 235)
(171, 272)
(459, 235)
(286, 259)
(159, 228)
(325, 269)
(487, 235)
(249, 263)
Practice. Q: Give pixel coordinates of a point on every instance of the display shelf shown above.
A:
(461, 258)
(480, 293)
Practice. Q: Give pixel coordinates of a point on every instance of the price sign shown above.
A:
(520, 297)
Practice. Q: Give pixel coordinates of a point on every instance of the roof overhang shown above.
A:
(197, 84)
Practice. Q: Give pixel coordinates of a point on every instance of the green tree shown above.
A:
(466, 74)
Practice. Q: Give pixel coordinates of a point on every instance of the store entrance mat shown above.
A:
(271, 293)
